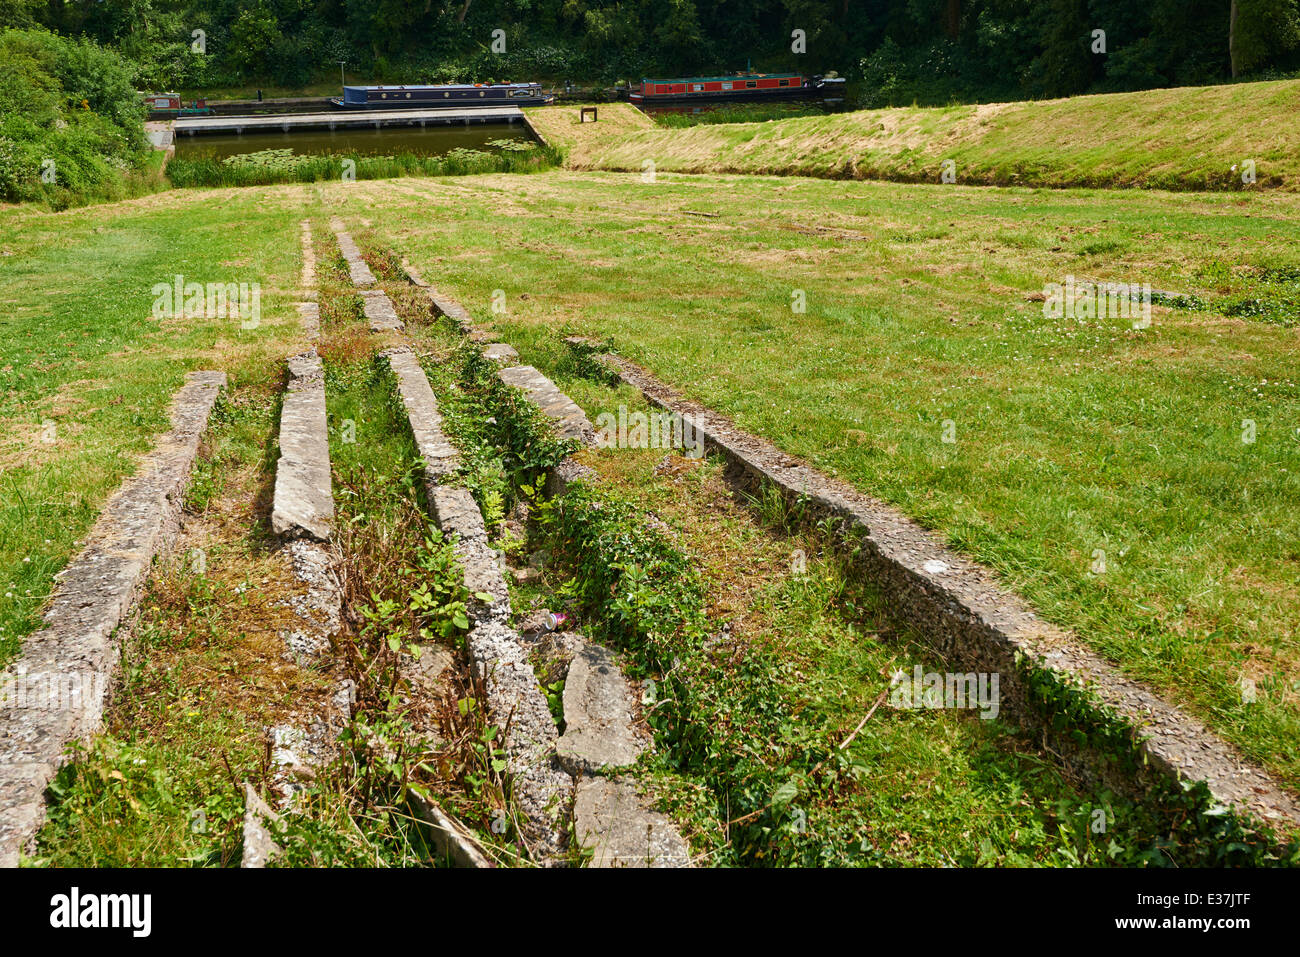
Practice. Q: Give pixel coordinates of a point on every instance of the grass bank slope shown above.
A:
(1184, 139)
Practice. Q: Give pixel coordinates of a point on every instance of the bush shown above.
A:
(71, 122)
(284, 166)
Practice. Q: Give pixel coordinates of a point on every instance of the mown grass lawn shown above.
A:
(1100, 469)
(87, 375)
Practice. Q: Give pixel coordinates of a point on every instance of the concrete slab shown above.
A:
(303, 505)
(599, 706)
(570, 421)
(439, 455)
(501, 352)
(610, 819)
(541, 789)
(357, 269)
(378, 308)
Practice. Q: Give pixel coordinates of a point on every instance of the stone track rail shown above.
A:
(56, 693)
(611, 817)
(961, 609)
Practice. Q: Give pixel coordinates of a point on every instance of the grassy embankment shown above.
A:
(1185, 139)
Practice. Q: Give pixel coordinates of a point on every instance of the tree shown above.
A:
(1261, 30)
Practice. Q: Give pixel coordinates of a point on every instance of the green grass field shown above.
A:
(1102, 470)
(86, 373)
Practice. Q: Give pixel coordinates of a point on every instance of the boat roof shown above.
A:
(710, 79)
(435, 86)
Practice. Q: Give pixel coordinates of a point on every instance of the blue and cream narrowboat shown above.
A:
(460, 95)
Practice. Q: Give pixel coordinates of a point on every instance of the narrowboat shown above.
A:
(170, 104)
(424, 97)
(738, 87)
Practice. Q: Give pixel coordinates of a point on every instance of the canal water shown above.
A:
(386, 141)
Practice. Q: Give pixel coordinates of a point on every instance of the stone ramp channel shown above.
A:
(968, 616)
(378, 308)
(56, 692)
(446, 306)
(611, 817)
(357, 268)
(302, 514)
(609, 814)
(515, 701)
(600, 739)
(454, 841)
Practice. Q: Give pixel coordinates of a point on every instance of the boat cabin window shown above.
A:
(726, 84)
(782, 82)
(697, 87)
(750, 84)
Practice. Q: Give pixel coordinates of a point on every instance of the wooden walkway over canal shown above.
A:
(345, 119)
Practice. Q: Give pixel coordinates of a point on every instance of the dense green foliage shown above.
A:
(284, 166)
(70, 115)
(929, 50)
(70, 118)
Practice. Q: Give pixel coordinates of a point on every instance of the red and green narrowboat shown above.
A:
(741, 87)
(170, 104)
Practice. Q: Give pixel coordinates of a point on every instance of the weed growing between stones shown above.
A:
(418, 734)
(506, 444)
(1198, 831)
(763, 780)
